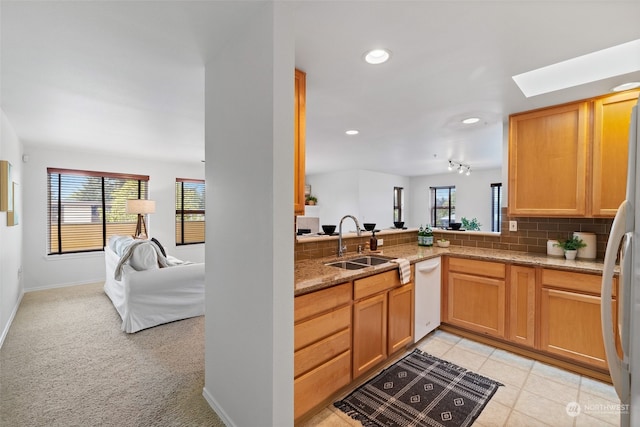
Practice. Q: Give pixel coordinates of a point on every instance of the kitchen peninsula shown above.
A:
(543, 307)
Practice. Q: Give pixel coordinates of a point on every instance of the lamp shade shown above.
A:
(140, 206)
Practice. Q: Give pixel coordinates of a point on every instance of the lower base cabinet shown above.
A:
(382, 319)
(322, 344)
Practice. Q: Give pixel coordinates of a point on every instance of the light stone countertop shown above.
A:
(312, 275)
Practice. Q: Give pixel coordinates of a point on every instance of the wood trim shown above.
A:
(100, 174)
(300, 95)
(195, 181)
(522, 305)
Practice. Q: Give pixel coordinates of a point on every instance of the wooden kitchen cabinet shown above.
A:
(570, 160)
(476, 298)
(382, 319)
(611, 119)
(570, 323)
(548, 152)
(322, 345)
(522, 305)
(299, 142)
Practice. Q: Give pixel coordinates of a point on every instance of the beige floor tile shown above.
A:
(436, 347)
(543, 409)
(494, 414)
(555, 374)
(599, 407)
(584, 420)
(467, 359)
(504, 374)
(559, 393)
(599, 388)
(326, 418)
(446, 336)
(476, 347)
(507, 395)
(517, 419)
(511, 359)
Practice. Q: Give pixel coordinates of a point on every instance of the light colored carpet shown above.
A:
(65, 362)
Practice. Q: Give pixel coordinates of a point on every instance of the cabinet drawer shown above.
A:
(314, 387)
(320, 327)
(480, 268)
(375, 284)
(317, 302)
(590, 283)
(316, 354)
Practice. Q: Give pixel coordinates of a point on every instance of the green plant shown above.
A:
(472, 225)
(311, 199)
(571, 244)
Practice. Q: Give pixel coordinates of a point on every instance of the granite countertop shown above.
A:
(312, 275)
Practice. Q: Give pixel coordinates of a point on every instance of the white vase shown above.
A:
(570, 254)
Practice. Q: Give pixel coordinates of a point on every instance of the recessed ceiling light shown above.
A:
(626, 86)
(352, 132)
(377, 56)
(471, 120)
(613, 61)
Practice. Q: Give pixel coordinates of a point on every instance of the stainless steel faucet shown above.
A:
(343, 249)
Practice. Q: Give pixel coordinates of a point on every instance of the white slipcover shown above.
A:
(156, 296)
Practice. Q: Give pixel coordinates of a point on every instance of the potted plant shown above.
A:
(311, 200)
(571, 246)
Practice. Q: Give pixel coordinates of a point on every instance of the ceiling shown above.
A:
(129, 76)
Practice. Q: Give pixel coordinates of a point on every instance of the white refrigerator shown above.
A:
(624, 245)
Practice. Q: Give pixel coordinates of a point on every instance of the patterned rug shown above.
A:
(420, 390)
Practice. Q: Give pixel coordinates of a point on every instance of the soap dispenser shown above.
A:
(373, 241)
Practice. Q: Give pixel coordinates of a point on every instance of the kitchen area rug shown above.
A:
(420, 390)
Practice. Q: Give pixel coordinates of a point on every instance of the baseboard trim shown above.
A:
(217, 408)
(65, 285)
(5, 331)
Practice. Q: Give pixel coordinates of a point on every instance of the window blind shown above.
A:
(496, 206)
(85, 208)
(190, 211)
(443, 206)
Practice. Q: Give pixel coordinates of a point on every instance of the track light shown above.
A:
(461, 168)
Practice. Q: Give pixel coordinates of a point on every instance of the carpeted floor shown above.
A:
(65, 362)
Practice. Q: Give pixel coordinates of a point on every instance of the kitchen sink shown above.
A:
(360, 262)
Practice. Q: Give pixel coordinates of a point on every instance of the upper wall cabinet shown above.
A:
(611, 119)
(299, 142)
(570, 160)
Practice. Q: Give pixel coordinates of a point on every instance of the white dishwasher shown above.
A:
(427, 298)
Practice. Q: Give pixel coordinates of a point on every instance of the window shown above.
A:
(189, 211)
(496, 206)
(443, 206)
(86, 208)
(398, 203)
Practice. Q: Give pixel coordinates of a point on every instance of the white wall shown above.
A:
(43, 271)
(11, 254)
(473, 195)
(249, 267)
(364, 194)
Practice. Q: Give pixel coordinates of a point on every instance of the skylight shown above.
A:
(613, 61)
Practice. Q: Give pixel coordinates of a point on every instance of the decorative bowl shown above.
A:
(443, 243)
(398, 224)
(369, 226)
(328, 229)
(455, 225)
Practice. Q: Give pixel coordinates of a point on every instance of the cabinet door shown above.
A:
(522, 305)
(612, 116)
(369, 333)
(299, 142)
(476, 303)
(548, 151)
(401, 308)
(570, 326)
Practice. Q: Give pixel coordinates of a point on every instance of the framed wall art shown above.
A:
(5, 186)
(12, 215)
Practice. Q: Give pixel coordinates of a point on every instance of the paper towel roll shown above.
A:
(589, 251)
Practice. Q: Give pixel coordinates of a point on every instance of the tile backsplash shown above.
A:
(532, 236)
